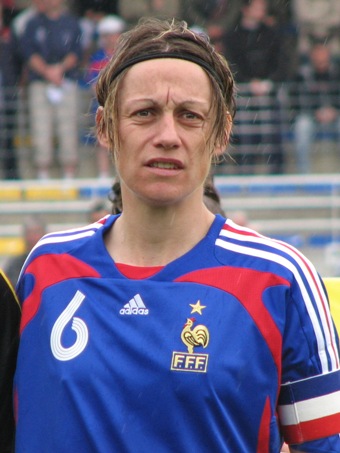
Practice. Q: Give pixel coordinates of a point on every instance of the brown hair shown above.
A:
(153, 36)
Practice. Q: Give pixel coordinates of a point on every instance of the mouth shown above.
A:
(165, 164)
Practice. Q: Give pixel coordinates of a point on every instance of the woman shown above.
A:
(166, 328)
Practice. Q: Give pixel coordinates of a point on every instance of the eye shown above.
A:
(143, 113)
(192, 117)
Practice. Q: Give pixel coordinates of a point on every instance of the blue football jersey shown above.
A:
(229, 348)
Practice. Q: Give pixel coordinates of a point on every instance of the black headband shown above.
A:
(180, 56)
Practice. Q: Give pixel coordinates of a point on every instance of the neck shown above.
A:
(158, 237)
(55, 13)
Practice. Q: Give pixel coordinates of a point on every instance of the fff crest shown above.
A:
(192, 336)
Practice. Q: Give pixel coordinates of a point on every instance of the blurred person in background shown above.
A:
(216, 17)
(317, 20)
(51, 45)
(19, 5)
(211, 197)
(109, 29)
(33, 229)
(9, 80)
(81, 7)
(90, 12)
(315, 103)
(25, 15)
(131, 11)
(115, 197)
(254, 50)
(98, 210)
(14, 78)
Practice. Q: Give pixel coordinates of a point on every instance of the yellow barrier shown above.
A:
(51, 192)
(333, 289)
(11, 246)
(10, 194)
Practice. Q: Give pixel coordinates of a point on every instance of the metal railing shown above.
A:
(263, 130)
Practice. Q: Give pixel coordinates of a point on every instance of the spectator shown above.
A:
(12, 77)
(131, 11)
(21, 4)
(90, 12)
(115, 196)
(253, 50)
(315, 99)
(20, 21)
(18, 27)
(9, 10)
(281, 17)
(109, 29)
(98, 210)
(52, 48)
(33, 229)
(9, 339)
(317, 19)
(211, 197)
(9, 79)
(216, 17)
(103, 7)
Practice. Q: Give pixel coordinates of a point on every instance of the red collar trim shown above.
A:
(138, 272)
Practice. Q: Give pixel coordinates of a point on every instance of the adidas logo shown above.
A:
(134, 307)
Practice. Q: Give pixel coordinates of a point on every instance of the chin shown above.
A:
(163, 195)
(161, 202)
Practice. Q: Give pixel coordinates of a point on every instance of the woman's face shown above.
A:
(165, 118)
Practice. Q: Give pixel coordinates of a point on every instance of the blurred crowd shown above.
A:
(282, 53)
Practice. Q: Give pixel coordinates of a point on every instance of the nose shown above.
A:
(167, 135)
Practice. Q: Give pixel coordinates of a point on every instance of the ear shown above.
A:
(101, 130)
(219, 150)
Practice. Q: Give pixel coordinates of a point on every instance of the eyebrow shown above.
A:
(152, 101)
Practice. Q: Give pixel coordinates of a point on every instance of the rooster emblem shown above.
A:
(197, 336)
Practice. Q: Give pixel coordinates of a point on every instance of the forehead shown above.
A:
(179, 77)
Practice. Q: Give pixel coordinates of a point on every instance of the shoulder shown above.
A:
(58, 255)
(64, 241)
(262, 252)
